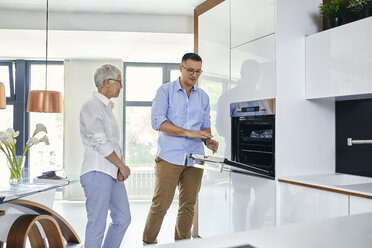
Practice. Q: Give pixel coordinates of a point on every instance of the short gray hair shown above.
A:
(105, 72)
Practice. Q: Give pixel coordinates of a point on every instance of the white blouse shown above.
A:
(100, 134)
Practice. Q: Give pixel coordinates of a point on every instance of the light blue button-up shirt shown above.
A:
(172, 104)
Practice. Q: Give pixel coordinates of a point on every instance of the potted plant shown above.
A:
(333, 11)
(362, 7)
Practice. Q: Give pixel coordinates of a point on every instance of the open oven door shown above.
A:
(220, 164)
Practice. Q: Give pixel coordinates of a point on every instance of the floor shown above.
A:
(74, 212)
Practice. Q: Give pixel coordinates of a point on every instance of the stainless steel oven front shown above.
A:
(253, 135)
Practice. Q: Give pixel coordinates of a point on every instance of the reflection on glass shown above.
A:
(42, 157)
(140, 145)
(4, 75)
(142, 82)
(6, 121)
(215, 87)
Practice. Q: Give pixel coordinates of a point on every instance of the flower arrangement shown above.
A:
(358, 5)
(7, 145)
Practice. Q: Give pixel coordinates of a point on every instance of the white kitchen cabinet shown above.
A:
(251, 20)
(360, 205)
(252, 202)
(339, 61)
(253, 70)
(214, 204)
(298, 204)
(214, 48)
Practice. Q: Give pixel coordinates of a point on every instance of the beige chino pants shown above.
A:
(168, 176)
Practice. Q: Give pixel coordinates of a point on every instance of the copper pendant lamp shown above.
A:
(45, 101)
(2, 96)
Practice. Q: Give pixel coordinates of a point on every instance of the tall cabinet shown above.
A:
(239, 65)
(255, 50)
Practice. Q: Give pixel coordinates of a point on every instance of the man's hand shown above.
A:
(212, 145)
(199, 134)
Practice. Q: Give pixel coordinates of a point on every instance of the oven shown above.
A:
(253, 136)
(252, 141)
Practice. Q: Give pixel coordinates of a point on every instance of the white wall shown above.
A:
(16, 19)
(305, 130)
(67, 44)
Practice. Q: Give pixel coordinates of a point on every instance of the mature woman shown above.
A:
(103, 170)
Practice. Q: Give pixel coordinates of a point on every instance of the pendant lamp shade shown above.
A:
(2, 96)
(45, 101)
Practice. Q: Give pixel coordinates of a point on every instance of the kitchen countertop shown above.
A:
(337, 182)
(348, 231)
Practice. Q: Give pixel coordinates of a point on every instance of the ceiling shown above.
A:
(155, 7)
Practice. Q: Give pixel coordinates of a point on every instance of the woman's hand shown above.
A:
(123, 173)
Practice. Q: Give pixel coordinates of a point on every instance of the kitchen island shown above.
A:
(341, 232)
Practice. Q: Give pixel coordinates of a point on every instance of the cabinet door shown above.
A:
(214, 198)
(251, 19)
(359, 205)
(253, 70)
(252, 202)
(298, 204)
(338, 61)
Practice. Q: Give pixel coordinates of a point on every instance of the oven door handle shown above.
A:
(247, 172)
(247, 167)
(217, 164)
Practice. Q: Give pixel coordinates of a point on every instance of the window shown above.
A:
(141, 81)
(19, 77)
(42, 157)
(6, 120)
(139, 137)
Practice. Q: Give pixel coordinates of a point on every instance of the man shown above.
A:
(181, 113)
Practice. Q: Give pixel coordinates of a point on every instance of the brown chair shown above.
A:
(67, 231)
(25, 226)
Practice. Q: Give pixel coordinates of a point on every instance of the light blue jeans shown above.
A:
(103, 193)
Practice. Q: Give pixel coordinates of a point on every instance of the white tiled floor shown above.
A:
(74, 212)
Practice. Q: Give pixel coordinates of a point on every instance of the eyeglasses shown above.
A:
(121, 82)
(191, 71)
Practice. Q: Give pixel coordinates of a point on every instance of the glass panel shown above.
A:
(4, 78)
(6, 121)
(41, 156)
(140, 78)
(140, 145)
(174, 74)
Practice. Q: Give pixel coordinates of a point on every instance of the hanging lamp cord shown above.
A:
(46, 46)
